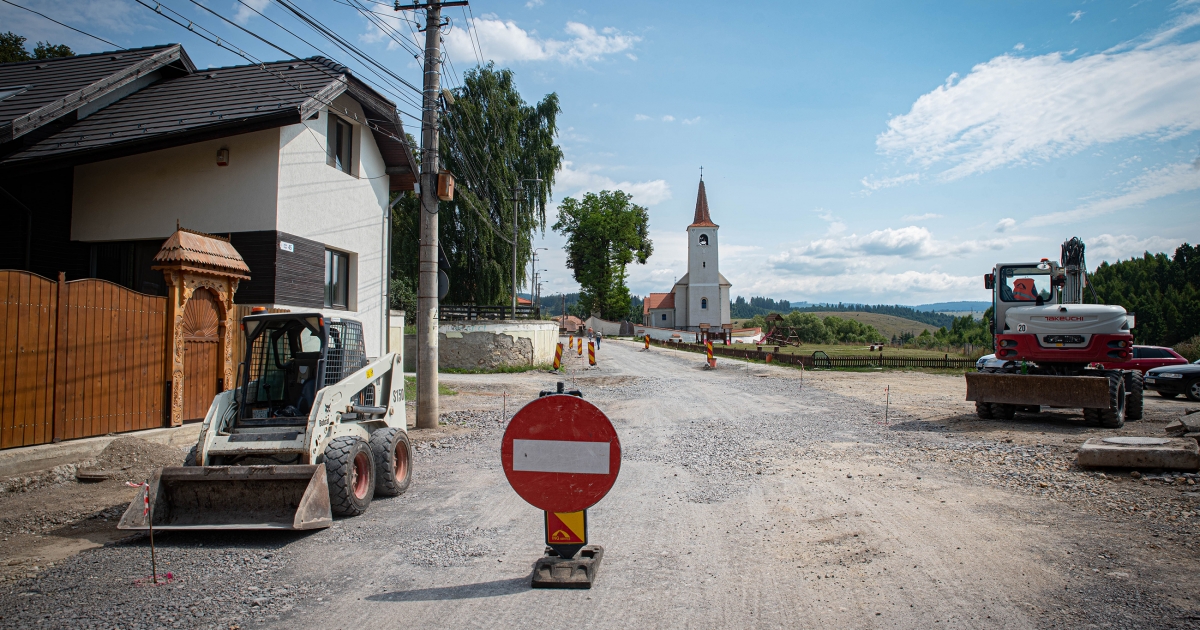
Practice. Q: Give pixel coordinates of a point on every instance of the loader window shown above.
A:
(283, 362)
(1025, 284)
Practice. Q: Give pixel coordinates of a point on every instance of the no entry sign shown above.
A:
(561, 454)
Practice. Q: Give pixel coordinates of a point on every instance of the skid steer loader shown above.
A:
(1050, 346)
(311, 430)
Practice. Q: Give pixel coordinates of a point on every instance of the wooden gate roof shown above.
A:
(202, 252)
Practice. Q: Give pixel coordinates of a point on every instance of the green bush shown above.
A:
(1190, 349)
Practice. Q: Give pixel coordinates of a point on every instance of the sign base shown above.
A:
(554, 571)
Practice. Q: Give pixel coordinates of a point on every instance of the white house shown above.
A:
(293, 162)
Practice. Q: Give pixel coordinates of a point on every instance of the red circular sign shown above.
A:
(561, 454)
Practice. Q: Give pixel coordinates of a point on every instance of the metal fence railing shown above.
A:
(451, 312)
(819, 359)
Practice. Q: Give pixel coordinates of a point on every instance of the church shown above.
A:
(701, 296)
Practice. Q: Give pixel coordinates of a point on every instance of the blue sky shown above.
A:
(871, 152)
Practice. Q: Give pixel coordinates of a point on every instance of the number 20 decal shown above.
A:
(1020, 327)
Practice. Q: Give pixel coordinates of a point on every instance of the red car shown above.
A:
(1148, 357)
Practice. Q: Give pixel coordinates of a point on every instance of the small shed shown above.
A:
(202, 272)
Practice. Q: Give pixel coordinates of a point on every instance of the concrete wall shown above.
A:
(603, 326)
(473, 345)
(666, 334)
(141, 196)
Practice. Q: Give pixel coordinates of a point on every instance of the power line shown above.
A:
(61, 24)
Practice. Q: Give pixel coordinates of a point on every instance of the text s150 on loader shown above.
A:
(311, 430)
(1049, 342)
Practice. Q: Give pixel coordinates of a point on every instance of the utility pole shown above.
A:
(427, 270)
(516, 198)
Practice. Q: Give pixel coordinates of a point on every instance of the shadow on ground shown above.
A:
(495, 588)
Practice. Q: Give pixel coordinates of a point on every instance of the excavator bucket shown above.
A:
(233, 497)
(1089, 392)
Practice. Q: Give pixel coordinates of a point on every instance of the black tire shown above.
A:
(393, 461)
(1114, 416)
(1192, 390)
(1135, 400)
(983, 410)
(190, 458)
(350, 471)
(1169, 394)
(1002, 411)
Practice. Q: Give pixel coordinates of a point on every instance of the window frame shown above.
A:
(704, 304)
(332, 258)
(336, 150)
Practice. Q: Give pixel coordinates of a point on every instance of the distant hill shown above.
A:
(953, 307)
(935, 319)
(888, 325)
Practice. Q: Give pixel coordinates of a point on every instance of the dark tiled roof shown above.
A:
(59, 86)
(702, 219)
(220, 102)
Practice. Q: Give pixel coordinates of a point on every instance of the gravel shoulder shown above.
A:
(745, 499)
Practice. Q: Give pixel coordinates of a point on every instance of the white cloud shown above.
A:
(880, 286)
(641, 117)
(871, 185)
(1014, 110)
(1111, 247)
(691, 121)
(1169, 180)
(668, 118)
(912, 242)
(503, 41)
(586, 179)
(244, 14)
(534, 4)
(921, 217)
(1076, 15)
(1006, 224)
(1019, 46)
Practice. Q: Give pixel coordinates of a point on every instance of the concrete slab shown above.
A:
(27, 459)
(1146, 453)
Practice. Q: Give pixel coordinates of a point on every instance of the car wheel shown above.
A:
(1193, 390)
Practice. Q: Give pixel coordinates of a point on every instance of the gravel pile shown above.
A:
(40, 479)
(135, 459)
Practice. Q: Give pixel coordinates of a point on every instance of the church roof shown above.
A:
(658, 300)
(702, 219)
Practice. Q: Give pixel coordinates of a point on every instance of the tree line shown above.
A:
(1163, 291)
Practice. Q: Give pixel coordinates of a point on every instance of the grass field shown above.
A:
(860, 350)
(410, 389)
(887, 325)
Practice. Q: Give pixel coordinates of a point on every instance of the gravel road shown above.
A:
(745, 500)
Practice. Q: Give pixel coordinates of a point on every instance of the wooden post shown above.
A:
(60, 361)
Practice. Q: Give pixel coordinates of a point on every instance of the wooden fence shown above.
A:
(809, 361)
(81, 358)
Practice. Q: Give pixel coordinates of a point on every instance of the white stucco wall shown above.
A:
(543, 334)
(345, 212)
(141, 196)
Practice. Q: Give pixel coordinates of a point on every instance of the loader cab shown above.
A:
(284, 367)
(1022, 284)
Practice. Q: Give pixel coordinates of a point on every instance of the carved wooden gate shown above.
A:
(202, 368)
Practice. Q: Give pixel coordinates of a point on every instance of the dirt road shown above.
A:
(744, 500)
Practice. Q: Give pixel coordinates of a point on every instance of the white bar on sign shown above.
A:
(560, 456)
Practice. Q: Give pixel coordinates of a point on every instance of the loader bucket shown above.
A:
(1088, 392)
(233, 497)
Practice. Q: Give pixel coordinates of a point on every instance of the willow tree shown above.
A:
(495, 144)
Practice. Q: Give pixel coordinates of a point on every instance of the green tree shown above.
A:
(1163, 291)
(605, 233)
(493, 141)
(12, 48)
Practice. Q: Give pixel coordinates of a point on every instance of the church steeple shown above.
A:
(702, 219)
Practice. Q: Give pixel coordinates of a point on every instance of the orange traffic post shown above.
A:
(558, 356)
(580, 346)
(592, 353)
(712, 363)
(647, 342)
(570, 342)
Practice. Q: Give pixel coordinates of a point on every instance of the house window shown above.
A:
(341, 140)
(337, 279)
(704, 239)
(703, 303)
(664, 317)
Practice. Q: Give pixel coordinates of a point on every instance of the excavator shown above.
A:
(1050, 346)
(312, 429)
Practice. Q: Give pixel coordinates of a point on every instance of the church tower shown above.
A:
(707, 290)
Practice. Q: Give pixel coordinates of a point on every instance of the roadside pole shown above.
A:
(427, 278)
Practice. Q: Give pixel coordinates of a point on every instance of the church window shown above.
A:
(704, 264)
(703, 302)
(664, 317)
(704, 239)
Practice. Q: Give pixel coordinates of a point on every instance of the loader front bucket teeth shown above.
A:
(233, 497)
(1088, 392)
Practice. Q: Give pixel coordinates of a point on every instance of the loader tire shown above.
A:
(1002, 411)
(1135, 396)
(350, 471)
(1112, 417)
(190, 458)
(983, 410)
(393, 461)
